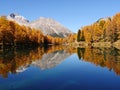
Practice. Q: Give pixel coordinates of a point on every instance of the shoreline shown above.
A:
(96, 44)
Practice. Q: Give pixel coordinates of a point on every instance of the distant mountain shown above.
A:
(50, 27)
(18, 19)
(47, 25)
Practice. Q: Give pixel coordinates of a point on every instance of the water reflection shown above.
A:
(105, 57)
(18, 60)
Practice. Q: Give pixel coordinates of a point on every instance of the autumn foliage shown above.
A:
(105, 57)
(13, 34)
(13, 60)
(101, 31)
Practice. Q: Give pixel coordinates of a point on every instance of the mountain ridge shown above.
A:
(48, 26)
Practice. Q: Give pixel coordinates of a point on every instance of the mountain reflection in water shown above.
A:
(17, 61)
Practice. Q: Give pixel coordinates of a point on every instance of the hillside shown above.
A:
(103, 30)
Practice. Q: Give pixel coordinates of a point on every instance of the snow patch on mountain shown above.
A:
(48, 26)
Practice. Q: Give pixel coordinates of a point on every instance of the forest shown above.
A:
(12, 34)
(103, 30)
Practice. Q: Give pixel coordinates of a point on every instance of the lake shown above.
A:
(60, 68)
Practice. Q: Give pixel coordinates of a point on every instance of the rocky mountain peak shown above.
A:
(48, 26)
(18, 18)
(12, 15)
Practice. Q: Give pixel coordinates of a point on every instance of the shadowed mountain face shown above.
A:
(47, 25)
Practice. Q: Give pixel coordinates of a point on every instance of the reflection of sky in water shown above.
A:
(71, 74)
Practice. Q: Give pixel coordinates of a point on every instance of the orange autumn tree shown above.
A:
(103, 30)
(6, 31)
(13, 34)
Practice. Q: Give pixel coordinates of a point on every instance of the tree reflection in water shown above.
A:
(104, 57)
(18, 60)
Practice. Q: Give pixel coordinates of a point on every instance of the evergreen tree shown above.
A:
(78, 35)
(82, 36)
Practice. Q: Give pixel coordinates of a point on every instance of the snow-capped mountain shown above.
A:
(18, 19)
(47, 25)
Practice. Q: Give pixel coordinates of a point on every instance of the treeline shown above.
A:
(13, 34)
(104, 30)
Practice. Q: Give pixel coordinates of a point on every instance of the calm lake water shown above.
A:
(60, 68)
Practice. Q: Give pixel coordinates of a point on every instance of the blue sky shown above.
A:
(73, 14)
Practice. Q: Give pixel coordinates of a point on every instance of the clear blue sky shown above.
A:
(71, 13)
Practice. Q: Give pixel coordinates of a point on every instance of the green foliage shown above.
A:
(82, 36)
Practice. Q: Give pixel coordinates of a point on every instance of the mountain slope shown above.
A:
(18, 19)
(50, 27)
(47, 25)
